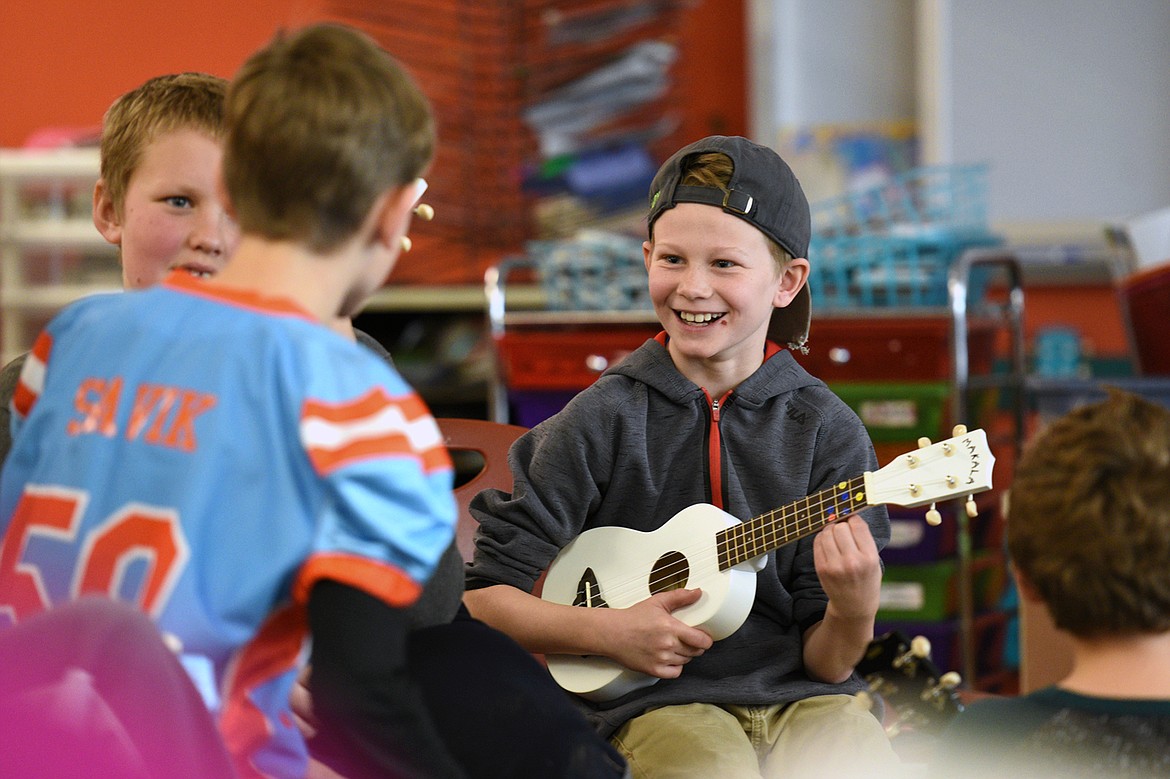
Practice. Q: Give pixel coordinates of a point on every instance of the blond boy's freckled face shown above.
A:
(713, 283)
(173, 215)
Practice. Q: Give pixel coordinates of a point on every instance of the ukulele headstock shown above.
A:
(960, 465)
(920, 700)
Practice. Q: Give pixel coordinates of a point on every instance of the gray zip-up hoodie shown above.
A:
(644, 442)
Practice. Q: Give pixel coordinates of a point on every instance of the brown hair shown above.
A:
(713, 169)
(162, 104)
(1089, 517)
(321, 122)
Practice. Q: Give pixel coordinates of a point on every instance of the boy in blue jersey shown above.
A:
(159, 201)
(212, 452)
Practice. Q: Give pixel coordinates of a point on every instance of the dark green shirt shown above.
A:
(1054, 732)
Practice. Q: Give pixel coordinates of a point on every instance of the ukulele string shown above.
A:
(796, 520)
(840, 498)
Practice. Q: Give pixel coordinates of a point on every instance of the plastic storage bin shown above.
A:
(593, 271)
(913, 541)
(892, 348)
(930, 201)
(929, 592)
(1147, 299)
(897, 412)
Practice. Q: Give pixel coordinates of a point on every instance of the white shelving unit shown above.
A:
(50, 252)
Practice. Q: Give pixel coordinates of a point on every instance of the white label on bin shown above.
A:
(889, 413)
(902, 596)
(905, 533)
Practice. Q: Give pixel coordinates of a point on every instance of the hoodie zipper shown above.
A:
(714, 453)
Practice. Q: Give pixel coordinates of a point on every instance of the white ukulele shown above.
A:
(705, 547)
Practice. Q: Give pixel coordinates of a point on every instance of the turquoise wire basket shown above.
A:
(593, 271)
(893, 244)
(922, 201)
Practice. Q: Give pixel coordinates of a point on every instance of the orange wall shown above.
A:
(1091, 309)
(62, 62)
(713, 69)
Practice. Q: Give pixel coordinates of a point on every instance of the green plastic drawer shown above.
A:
(895, 412)
(930, 591)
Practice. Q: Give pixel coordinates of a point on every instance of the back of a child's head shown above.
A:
(1089, 517)
(163, 104)
(321, 122)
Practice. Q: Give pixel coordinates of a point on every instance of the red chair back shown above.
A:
(491, 441)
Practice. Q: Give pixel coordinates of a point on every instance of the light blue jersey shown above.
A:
(208, 455)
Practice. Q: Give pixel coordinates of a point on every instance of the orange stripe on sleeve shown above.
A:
(42, 346)
(328, 460)
(374, 425)
(23, 399)
(437, 459)
(32, 375)
(272, 651)
(381, 580)
(367, 405)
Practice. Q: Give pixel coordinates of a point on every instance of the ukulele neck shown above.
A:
(773, 529)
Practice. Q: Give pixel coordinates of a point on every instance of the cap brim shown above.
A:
(790, 325)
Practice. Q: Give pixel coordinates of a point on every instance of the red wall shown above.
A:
(62, 62)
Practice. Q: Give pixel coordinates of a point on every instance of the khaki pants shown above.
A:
(824, 736)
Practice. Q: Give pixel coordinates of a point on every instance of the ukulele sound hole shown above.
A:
(671, 572)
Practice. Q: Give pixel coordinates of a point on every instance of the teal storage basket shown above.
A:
(893, 244)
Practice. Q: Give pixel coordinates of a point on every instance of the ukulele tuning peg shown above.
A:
(933, 517)
(959, 430)
(923, 442)
(424, 212)
(971, 508)
(406, 243)
(919, 649)
(943, 689)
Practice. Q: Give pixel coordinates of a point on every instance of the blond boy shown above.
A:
(158, 197)
(714, 410)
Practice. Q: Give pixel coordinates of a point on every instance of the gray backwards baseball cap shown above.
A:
(764, 192)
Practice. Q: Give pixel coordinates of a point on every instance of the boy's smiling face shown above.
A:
(174, 215)
(714, 283)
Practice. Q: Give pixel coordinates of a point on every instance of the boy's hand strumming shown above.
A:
(649, 639)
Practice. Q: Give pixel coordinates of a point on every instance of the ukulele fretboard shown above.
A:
(778, 527)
